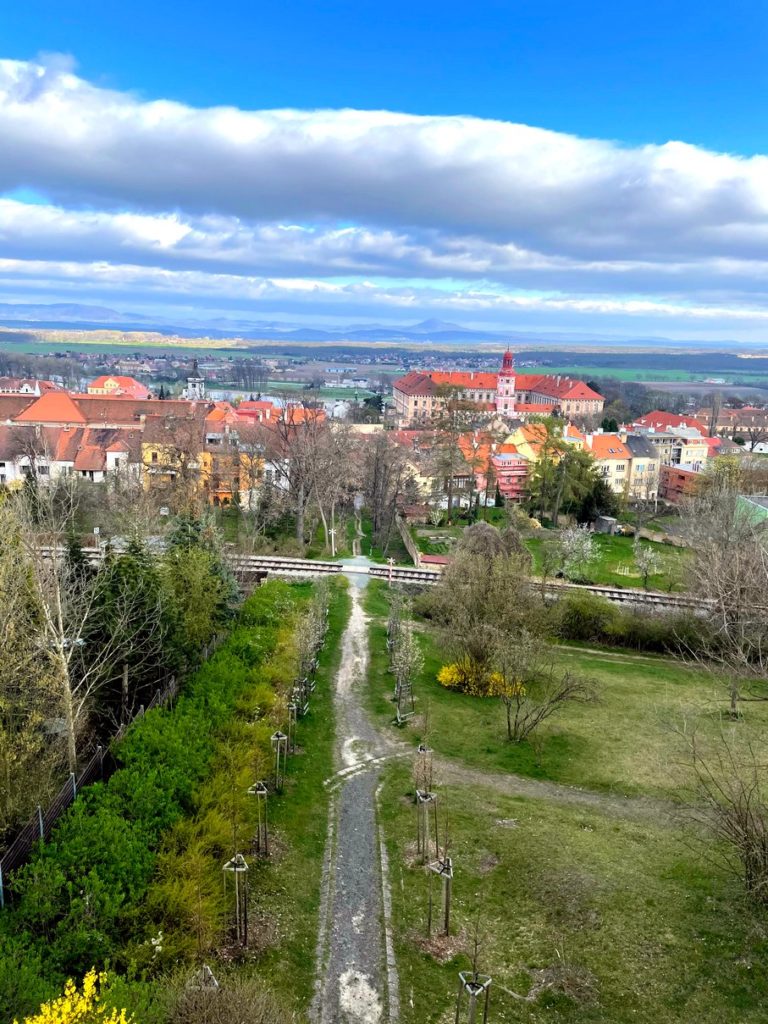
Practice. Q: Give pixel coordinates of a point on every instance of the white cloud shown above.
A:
(224, 195)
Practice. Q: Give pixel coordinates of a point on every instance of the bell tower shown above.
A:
(505, 386)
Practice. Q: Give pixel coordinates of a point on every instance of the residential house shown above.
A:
(678, 481)
(118, 387)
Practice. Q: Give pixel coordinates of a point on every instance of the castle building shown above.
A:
(420, 396)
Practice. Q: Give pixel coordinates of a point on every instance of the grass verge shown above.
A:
(614, 921)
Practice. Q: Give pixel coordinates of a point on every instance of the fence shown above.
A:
(100, 766)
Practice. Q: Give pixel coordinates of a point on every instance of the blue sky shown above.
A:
(570, 166)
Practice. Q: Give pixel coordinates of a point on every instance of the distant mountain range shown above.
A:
(74, 316)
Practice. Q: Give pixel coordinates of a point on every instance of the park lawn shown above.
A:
(287, 887)
(646, 926)
(628, 741)
(441, 540)
(615, 562)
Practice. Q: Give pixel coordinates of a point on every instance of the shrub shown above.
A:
(79, 1006)
(585, 617)
(80, 898)
(466, 677)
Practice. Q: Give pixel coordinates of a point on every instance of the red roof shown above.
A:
(434, 560)
(127, 386)
(662, 421)
(52, 407)
(427, 382)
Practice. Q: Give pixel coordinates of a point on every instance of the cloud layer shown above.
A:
(466, 211)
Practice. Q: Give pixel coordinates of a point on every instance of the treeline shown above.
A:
(83, 646)
(132, 876)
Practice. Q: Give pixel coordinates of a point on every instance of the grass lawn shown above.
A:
(626, 742)
(287, 887)
(615, 562)
(639, 926)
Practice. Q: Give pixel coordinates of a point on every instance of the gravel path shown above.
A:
(356, 978)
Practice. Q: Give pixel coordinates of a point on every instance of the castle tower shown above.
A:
(505, 386)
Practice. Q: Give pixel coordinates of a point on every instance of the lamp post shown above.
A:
(332, 535)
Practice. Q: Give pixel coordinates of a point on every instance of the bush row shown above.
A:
(81, 899)
(593, 619)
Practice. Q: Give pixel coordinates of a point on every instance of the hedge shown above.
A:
(80, 900)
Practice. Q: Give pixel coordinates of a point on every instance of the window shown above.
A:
(42, 470)
(154, 456)
(621, 467)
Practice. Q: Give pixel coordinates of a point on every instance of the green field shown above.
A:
(628, 741)
(625, 921)
(614, 564)
(594, 898)
(629, 374)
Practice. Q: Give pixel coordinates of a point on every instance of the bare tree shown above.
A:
(730, 798)
(384, 477)
(529, 686)
(67, 596)
(299, 434)
(729, 570)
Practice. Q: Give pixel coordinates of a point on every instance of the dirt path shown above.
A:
(631, 808)
(356, 975)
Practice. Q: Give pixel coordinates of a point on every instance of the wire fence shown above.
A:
(99, 767)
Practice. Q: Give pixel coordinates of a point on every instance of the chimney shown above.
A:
(623, 435)
(588, 440)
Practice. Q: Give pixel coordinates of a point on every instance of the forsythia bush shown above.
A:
(468, 678)
(79, 1007)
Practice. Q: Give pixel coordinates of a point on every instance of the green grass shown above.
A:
(659, 932)
(615, 562)
(627, 742)
(755, 378)
(288, 886)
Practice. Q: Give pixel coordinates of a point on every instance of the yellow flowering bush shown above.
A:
(83, 1006)
(467, 677)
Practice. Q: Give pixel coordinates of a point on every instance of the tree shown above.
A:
(647, 561)
(69, 604)
(729, 570)
(297, 437)
(729, 799)
(478, 594)
(384, 475)
(529, 687)
(577, 551)
(455, 418)
(29, 757)
(599, 500)
(407, 658)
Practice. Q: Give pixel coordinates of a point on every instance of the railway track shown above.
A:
(249, 569)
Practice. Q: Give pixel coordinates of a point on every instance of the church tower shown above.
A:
(195, 389)
(505, 386)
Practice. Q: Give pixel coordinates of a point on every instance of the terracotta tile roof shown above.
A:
(12, 405)
(127, 386)
(52, 407)
(90, 458)
(560, 388)
(609, 446)
(428, 382)
(660, 420)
